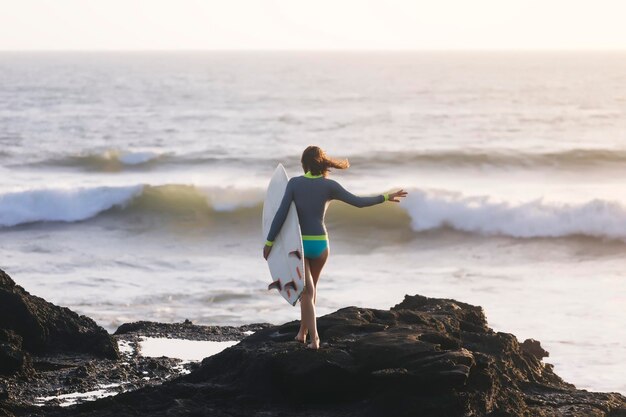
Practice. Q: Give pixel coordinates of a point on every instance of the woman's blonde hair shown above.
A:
(314, 159)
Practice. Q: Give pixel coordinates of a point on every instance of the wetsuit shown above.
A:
(311, 194)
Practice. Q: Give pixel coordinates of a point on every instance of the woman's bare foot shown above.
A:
(315, 344)
(300, 338)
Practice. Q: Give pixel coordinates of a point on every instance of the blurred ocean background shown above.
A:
(131, 186)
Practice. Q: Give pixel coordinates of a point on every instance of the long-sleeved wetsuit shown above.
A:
(311, 195)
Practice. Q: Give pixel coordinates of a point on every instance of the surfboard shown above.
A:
(286, 260)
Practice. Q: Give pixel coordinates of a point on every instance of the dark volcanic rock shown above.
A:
(13, 360)
(187, 330)
(423, 357)
(45, 328)
(533, 347)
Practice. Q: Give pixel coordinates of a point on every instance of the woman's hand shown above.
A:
(266, 251)
(398, 194)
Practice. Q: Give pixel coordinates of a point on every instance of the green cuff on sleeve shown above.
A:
(386, 197)
(268, 243)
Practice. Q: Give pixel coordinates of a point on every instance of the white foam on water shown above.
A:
(63, 205)
(533, 219)
(78, 203)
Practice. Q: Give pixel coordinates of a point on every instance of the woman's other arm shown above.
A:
(281, 214)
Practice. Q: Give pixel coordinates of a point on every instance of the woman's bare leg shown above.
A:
(313, 269)
(301, 336)
(307, 309)
(316, 266)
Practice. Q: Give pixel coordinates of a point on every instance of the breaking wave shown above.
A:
(80, 204)
(62, 205)
(533, 219)
(422, 210)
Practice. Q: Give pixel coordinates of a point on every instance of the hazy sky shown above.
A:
(312, 24)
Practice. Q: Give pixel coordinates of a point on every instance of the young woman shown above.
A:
(311, 194)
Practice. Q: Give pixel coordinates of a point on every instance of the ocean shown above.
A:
(131, 186)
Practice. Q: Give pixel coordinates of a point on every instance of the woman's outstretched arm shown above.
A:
(340, 193)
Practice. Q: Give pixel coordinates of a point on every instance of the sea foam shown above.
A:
(532, 219)
(79, 204)
(62, 205)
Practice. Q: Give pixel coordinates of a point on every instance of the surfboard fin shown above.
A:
(290, 284)
(275, 285)
(296, 253)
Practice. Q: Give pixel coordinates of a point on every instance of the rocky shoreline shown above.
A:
(422, 357)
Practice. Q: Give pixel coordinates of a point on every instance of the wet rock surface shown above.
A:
(422, 357)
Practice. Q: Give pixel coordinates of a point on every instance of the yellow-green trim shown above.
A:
(268, 243)
(309, 175)
(314, 237)
(386, 197)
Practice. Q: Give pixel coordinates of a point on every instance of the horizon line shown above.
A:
(357, 50)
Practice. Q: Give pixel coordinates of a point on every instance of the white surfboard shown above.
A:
(286, 260)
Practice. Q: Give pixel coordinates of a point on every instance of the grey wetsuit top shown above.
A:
(311, 196)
